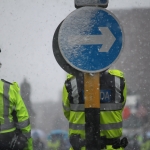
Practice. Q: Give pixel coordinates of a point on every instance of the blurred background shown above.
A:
(26, 32)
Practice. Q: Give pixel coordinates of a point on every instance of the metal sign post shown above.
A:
(92, 110)
(88, 41)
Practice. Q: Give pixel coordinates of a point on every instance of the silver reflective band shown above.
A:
(6, 87)
(77, 107)
(7, 126)
(22, 124)
(117, 90)
(107, 107)
(66, 108)
(110, 126)
(76, 126)
(75, 93)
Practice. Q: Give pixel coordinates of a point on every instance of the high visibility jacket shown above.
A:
(113, 98)
(145, 145)
(11, 100)
(54, 145)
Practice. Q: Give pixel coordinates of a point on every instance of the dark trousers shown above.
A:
(6, 141)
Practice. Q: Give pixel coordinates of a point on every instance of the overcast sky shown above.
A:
(26, 32)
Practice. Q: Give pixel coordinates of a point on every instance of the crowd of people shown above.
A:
(55, 140)
(59, 140)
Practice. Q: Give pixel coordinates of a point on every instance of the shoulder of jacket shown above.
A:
(69, 76)
(6, 81)
(16, 86)
(116, 72)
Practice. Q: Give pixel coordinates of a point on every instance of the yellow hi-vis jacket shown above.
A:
(54, 145)
(10, 99)
(113, 99)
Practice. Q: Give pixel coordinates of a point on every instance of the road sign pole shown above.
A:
(88, 41)
(92, 110)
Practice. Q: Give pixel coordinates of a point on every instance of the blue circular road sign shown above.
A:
(90, 39)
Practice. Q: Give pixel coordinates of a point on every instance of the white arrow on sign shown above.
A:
(107, 39)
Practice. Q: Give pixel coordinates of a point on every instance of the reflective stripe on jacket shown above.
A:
(11, 100)
(113, 88)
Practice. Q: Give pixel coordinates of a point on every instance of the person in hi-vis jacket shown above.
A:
(113, 99)
(15, 129)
